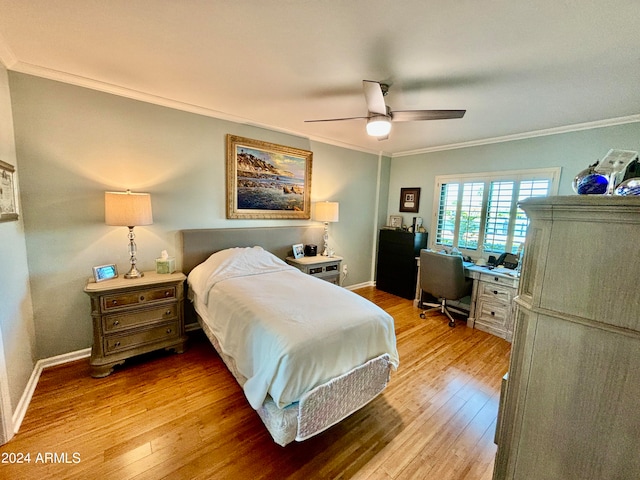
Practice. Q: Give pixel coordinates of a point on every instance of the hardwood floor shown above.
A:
(184, 417)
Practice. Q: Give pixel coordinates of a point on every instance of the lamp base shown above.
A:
(325, 252)
(134, 273)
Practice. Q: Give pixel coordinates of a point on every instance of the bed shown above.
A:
(307, 353)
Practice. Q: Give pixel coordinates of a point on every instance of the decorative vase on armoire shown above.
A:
(570, 407)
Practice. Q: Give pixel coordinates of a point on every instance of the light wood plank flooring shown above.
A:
(184, 417)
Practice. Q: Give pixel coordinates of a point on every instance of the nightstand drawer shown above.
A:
(117, 343)
(125, 320)
(328, 268)
(139, 297)
(331, 277)
(324, 268)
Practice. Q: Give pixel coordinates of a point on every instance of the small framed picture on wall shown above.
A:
(409, 200)
(8, 210)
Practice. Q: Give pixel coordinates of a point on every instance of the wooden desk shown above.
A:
(492, 300)
(492, 296)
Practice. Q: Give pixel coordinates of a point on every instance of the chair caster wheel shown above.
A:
(422, 315)
(452, 324)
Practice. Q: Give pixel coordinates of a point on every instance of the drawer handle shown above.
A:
(493, 313)
(117, 344)
(496, 279)
(168, 330)
(167, 293)
(168, 312)
(495, 292)
(142, 298)
(114, 302)
(116, 323)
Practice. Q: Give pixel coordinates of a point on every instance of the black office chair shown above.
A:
(442, 276)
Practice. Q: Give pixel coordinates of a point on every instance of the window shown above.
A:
(480, 213)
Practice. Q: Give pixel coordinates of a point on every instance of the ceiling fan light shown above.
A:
(378, 126)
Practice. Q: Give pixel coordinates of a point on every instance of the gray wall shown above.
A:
(75, 143)
(572, 152)
(16, 312)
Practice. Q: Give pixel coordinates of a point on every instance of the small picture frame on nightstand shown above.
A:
(298, 250)
(105, 272)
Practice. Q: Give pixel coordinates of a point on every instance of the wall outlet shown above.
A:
(345, 271)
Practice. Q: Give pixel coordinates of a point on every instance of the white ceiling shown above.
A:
(519, 67)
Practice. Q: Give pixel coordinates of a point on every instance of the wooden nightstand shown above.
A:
(134, 316)
(326, 268)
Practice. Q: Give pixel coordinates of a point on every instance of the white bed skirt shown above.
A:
(323, 406)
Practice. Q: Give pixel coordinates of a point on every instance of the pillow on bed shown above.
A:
(232, 263)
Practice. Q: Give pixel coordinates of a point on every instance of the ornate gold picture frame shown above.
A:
(8, 201)
(266, 180)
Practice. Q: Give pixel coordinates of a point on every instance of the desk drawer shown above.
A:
(117, 343)
(140, 297)
(496, 292)
(493, 317)
(499, 280)
(492, 311)
(125, 320)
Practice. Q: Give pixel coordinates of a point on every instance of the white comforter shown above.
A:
(287, 331)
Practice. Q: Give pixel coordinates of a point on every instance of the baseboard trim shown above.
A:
(360, 285)
(27, 395)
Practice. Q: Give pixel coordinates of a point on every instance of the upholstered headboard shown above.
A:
(197, 245)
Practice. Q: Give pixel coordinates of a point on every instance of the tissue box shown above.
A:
(165, 265)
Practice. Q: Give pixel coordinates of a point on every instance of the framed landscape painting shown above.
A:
(266, 180)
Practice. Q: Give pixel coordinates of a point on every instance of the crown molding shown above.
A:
(522, 136)
(11, 63)
(80, 81)
(7, 57)
(86, 82)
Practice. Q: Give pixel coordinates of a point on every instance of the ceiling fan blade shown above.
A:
(335, 119)
(414, 115)
(375, 98)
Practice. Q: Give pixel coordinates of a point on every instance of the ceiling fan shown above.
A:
(380, 116)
